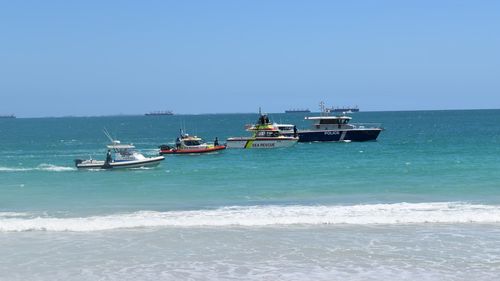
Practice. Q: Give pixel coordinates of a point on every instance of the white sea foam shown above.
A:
(41, 167)
(12, 214)
(10, 169)
(143, 168)
(54, 168)
(399, 213)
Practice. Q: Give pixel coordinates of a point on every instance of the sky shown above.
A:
(83, 58)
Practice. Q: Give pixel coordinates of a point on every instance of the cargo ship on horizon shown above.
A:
(155, 113)
(347, 109)
(8, 116)
(297, 111)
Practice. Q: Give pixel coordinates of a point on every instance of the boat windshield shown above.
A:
(124, 151)
(126, 154)
(334, 121)
(267, 134)
(285, 128)
(192, 142)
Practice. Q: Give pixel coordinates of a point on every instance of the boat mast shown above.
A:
(322, 108)
(108, 135)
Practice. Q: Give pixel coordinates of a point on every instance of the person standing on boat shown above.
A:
(109, 159)
(177, 143)
(216, 142)
(294, 131)
(108, 156)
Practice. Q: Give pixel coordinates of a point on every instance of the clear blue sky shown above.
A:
(109, 57)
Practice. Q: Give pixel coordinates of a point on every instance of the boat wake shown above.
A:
(41, 167)
(9, 169)
(54, 168)
(143, 168)
(261, 216)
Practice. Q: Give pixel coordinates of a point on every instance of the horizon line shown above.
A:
(232, 113)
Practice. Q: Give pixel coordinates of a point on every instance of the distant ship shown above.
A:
(8, 116)
(343, 109)
(297, 111)
(154, 113)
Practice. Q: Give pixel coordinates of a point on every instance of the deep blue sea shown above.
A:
(421, 202)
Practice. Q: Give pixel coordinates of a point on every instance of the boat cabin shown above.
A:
(286, 128)
(267, 134)
(192, 141)
(330, 122)
(124, 152)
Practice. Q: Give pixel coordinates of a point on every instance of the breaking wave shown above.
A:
(399, 213)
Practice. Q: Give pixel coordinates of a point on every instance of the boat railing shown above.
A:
(366, 125)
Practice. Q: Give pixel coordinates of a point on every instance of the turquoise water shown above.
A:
(430, 172)
(420, 157)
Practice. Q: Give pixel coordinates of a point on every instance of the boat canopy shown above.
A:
(120, 146)
(327, 117)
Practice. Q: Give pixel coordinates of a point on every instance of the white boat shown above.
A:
(265, 135)
(287, 129)
(119, 156)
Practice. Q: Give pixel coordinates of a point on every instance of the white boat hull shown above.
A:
(260, 143)
(99, 164)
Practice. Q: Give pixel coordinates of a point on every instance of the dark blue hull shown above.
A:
(339, 135)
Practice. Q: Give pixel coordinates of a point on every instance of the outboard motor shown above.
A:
(78, 161)
(165, 147)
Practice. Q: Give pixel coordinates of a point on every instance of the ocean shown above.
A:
(420, 203)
